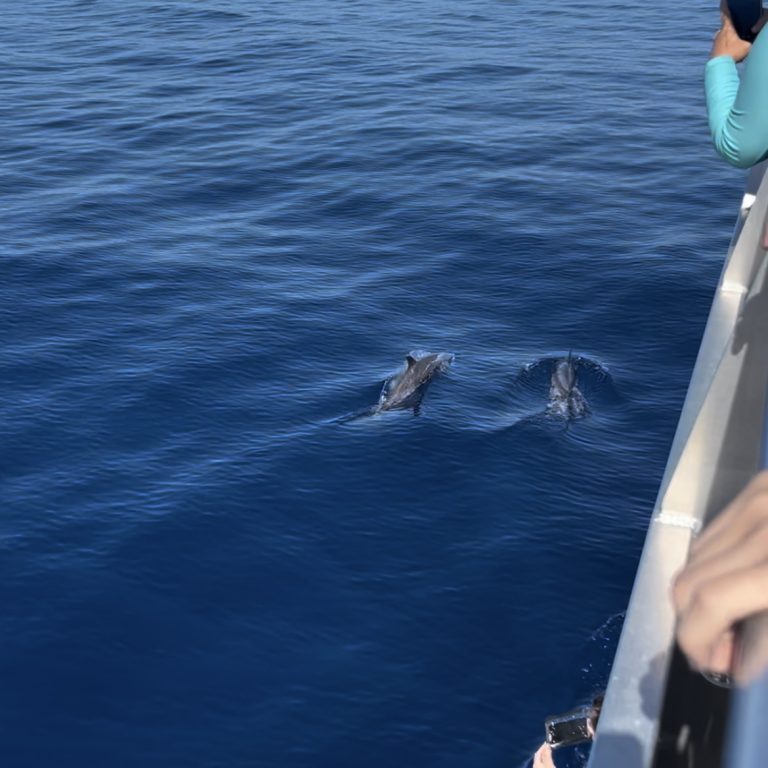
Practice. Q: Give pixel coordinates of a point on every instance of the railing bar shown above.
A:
(749, 713)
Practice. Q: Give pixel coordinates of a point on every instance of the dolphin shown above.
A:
(565, 399)
(406, 388)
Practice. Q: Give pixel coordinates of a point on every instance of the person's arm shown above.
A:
(738, 111)
(725, 580)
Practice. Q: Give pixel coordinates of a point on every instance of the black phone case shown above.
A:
(570, 728)
(744, 15)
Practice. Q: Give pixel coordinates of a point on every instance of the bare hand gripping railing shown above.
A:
(749, 715)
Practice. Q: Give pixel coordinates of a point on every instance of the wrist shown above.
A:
(720, 47)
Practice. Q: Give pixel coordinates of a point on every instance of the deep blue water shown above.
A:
(223, 224)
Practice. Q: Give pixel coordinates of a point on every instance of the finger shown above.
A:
(721, 656)
(543, 757)
(737, 528)
(742, 525)
(721, 524)
(716, 607)
(727, 23)
(749, 552)
(751, 503)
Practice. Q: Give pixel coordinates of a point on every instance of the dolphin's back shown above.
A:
(565, 398)
(564, 376)
(406, 386)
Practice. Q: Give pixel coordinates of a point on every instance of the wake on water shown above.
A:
(592, 382)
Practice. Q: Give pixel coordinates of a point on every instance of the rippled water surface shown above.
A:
(224, 224)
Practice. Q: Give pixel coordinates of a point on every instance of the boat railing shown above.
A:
(749, 718)
(716, 450)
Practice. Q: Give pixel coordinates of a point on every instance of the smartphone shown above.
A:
(744, 15)
(570, 727)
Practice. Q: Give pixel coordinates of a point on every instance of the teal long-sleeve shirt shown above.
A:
(738, 111)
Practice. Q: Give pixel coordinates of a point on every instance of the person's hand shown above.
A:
(727, 42)
(725, 580)
(543, 757)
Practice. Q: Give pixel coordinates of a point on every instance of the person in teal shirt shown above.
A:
(738, 109)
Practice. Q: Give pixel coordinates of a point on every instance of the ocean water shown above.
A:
(224, 223)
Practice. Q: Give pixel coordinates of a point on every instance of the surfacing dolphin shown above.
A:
(406, 388)
(565, 399)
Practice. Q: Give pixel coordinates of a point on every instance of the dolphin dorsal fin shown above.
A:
(410, 360)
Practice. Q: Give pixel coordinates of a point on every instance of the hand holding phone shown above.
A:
(744, 15)
(727, 41)
(572, 727)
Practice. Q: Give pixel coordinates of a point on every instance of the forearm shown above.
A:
(738, 110)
